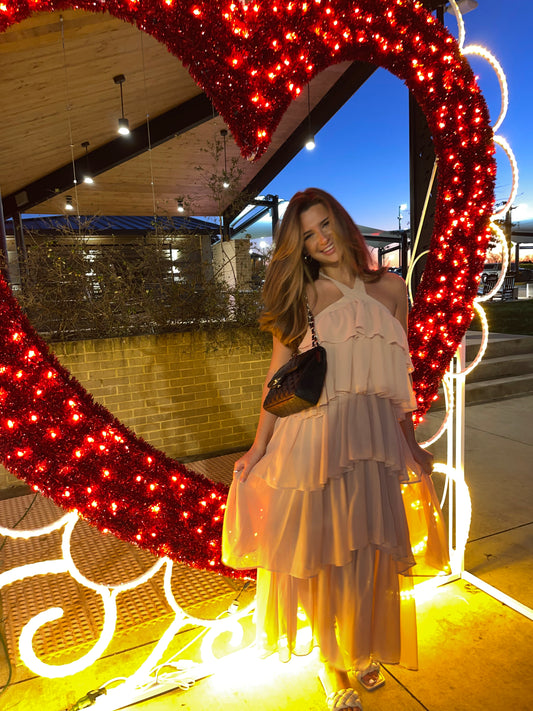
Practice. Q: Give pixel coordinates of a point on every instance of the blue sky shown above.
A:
(361, 155)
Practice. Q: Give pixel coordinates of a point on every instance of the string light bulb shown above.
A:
(68, 203)
(179, 205)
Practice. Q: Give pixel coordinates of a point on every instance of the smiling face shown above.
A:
(318, 236)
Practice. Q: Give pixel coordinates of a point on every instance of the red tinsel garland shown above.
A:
(252, 59)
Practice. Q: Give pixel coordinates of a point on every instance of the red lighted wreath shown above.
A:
(252, 59)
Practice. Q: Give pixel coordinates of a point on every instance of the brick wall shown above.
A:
(182, 393)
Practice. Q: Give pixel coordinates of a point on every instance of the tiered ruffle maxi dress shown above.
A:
(322, 515)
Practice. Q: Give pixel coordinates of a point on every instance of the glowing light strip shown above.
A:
(514, 167)
(476, 50)
(448, 396)
(460, 23)
(36, 532)
(51, 671)
(461, 374)
(98, 587)
(409, 275)
(137, 683)
(505, 263)
(47, 567)
(484, 340)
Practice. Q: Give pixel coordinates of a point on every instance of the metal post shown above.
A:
(507, 230)
(226, 232)
(3, 242)
(275, 213)
(404, 246)
(20, 242)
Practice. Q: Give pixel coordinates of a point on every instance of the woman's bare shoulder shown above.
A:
(393, 284)
(392, 280)
(391, 290)
(321, 293)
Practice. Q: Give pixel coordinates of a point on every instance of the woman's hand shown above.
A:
(244, 464)
(423, 458)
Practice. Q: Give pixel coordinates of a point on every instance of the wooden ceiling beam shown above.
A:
(172, 123)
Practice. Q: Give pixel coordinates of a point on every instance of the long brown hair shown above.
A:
(284, 313)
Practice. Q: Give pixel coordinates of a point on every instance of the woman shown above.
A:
(316, 503)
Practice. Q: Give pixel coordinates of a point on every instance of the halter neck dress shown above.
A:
(322, 515)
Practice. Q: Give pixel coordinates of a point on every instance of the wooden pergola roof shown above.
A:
(58, 92)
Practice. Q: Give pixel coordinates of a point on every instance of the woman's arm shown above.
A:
(421, 455)
(281, 354)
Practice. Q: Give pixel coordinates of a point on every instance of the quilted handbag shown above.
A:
(297, 385)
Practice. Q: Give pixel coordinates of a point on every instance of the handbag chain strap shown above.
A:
(311, 322)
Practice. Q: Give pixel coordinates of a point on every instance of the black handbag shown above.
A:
(297, 385)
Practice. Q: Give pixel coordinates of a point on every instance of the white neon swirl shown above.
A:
(478, 51)
(409, 275)
(99, 587)
(125, 693)
(128, 691)
(484, 340)
(460, 23)
(505, 263)
(52, 671)
(229, 625)
(36, 532)
(514, 168)
(31, 569)
(448, 396)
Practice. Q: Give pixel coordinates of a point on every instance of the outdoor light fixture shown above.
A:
(180, 207)
(225, 179)
(464, 6)
(68, 203)
(123, 123)
(87, 177)
(310, 142)
(401, 207)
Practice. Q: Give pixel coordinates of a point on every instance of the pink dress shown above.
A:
(322, 515)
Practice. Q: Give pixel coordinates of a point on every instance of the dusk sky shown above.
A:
(362, 154)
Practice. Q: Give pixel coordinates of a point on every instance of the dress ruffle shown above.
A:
(300, 532)
(321, 443)
(368, 350)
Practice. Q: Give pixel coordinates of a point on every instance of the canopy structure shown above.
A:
(59, 78)
(522, 233)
